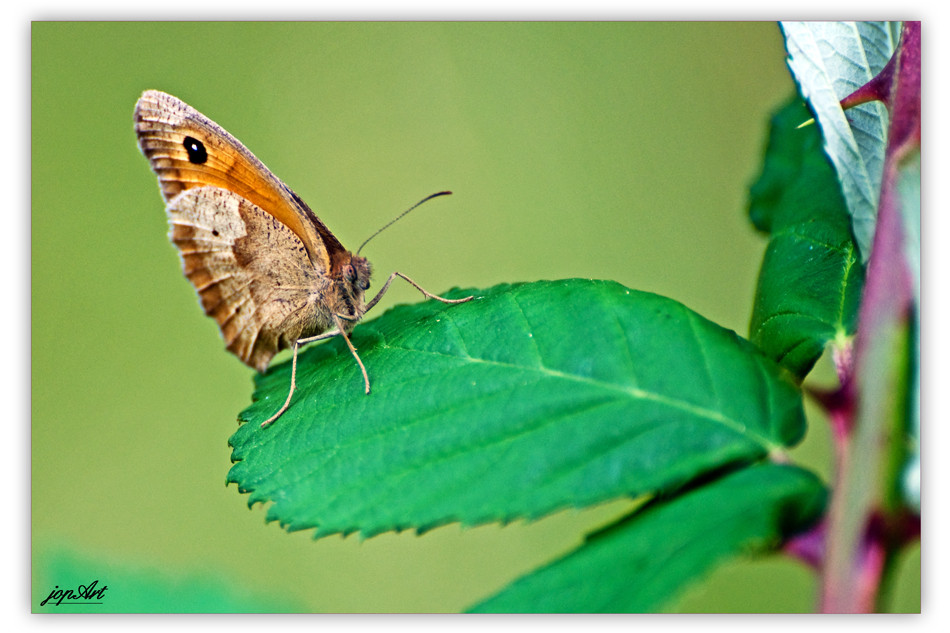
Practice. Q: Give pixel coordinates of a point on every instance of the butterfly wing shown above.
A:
(187, 149)
(252, 273)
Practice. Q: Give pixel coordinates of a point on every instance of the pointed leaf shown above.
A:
(531, 398)
(641, 562)
(810, 282)
(829, 61)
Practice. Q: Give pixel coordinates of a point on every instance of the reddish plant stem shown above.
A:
(864, 527)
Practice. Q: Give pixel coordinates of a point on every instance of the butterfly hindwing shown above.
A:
(252, 273)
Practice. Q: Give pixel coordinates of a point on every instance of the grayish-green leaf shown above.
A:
(829, 61)
(640, 563)
(531, 398)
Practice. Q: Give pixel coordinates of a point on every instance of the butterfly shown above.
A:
(265, 267)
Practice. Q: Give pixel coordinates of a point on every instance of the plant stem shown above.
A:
(866, 523)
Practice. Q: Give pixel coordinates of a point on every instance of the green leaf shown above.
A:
(531, 398)
(641, 562)
(829, 61)
(810, 282)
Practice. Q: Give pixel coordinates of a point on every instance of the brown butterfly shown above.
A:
(265, 267)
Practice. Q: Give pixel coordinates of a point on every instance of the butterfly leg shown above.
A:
(382, 291)
(342, 332)
(293, 370)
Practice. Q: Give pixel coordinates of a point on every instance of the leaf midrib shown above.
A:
(633, 392)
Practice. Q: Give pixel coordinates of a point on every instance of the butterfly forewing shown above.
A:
(186, 149)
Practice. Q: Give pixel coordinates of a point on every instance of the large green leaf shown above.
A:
(640, 563)
(531, 398)
(810, 282)
(830, 60)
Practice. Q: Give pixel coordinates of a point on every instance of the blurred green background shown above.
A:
(602, 150)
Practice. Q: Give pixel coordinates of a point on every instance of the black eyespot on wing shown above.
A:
(197, 153)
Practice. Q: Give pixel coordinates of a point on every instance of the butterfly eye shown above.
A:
(364, 284)
(197, 154)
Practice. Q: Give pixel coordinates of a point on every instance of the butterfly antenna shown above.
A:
(399, 217)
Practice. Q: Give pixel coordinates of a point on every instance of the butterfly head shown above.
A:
(352, 274)
(358, 272)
